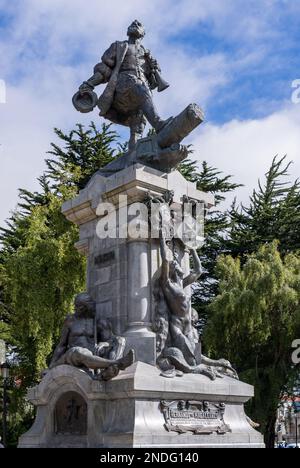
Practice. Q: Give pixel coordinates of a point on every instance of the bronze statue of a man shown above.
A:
(131, 73)
(90, 344)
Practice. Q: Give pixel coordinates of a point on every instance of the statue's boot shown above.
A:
(176, 358)
(127, 360)
(207, 371)
(151, 114)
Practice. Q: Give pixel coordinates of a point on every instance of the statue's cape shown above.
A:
(106, 99)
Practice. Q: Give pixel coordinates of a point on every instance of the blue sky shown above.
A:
(236, 58)
(265, 80)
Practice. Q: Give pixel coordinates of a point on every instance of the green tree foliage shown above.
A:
(19, 413)
(83, 153)
(40, 280)
(254, 321)
(273, 213)
(40, 269)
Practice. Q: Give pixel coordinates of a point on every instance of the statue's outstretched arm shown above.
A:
(95, 80)
(103, 70)
(165, 263)
(62, 345)
(198, 270)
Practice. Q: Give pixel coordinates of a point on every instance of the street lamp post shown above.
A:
(4, 373)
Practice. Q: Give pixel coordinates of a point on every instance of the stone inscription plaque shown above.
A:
(194, 416)
(71, 415)
(105, 258)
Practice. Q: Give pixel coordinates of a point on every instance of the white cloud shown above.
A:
(246, 148)
(195, 80)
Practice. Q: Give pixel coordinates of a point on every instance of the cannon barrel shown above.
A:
(181, 126)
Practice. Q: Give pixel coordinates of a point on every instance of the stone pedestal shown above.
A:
(121, 272)
(138, 333)
(128, 412)
(139, 408)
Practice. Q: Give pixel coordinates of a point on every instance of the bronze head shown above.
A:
(84, 305)
(137, 30)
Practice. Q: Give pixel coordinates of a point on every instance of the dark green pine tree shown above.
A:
(210, 180)
(71, 166)
(83, 153)
(273, 213)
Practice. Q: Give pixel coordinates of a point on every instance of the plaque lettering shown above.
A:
(194, 416)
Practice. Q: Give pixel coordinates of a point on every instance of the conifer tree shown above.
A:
(273, 213)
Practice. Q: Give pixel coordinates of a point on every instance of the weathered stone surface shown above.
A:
(121, 273)
(134, 182)
(70, 415)
(126, 412)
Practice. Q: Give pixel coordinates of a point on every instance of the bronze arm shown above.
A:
(198, 270)
(62, 346)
